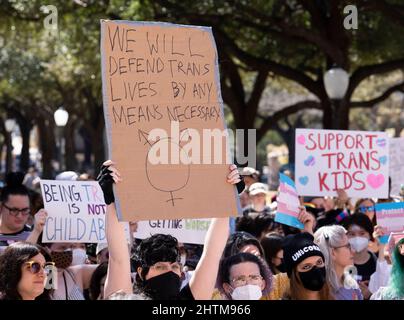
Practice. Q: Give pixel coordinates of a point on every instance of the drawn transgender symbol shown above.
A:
(176, 175)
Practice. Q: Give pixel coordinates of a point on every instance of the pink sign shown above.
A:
(355, 161)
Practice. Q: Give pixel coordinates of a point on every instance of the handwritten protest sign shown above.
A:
(356, 161)
(185, 230)
(161, 94)
(391, 217)
(396, 165)
(76, 212)
(288, 203)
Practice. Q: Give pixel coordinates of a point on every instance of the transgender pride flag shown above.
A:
(288, 203)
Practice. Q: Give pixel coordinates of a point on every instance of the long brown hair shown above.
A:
(296, 290)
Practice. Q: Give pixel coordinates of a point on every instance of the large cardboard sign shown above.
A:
(76, 211)
(356, 161)
(396, 165)
(185, 230)
(161, 95)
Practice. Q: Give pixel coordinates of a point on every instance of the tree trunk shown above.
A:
(97, 141)
(99, 151)
(47, 145)
(86, 165)
(25, 128)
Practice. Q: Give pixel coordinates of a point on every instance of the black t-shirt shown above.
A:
(367, 269)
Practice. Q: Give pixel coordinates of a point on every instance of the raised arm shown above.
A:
(40, 219)
(118, 275)
(203, 280)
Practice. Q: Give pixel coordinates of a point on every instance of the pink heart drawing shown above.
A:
(301, 139)
(375, 181)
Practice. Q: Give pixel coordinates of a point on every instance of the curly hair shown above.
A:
(157, 248)
(11, 262)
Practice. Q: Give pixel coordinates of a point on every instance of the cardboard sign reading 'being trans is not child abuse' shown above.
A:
(161, 93)
(356, 161)
(76, 211)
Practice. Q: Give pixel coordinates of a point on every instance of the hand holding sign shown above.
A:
(40, 219)
(307, 219)
(378, 233)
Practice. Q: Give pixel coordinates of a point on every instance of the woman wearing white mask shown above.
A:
(244, 276)
(334, 245)
(360, 230)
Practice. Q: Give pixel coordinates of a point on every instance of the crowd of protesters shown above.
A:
(337, 256)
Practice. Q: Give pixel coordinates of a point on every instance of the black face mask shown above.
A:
(281, 267)
(314, 279)
(163, 287)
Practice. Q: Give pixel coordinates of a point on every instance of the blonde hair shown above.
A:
(326, 238)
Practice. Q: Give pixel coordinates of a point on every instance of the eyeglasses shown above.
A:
(364, 209)
(243, 280)
(35, 267)
(176, 267)
(15, 211)
(348, 245)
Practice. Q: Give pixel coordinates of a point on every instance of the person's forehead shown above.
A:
(167, 263)
(366, 202)
(38, 258)
(244, 268)
(17, 200)
(356, 228)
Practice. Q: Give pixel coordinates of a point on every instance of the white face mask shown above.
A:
(79, 257)
(358, 244)
(247, 292)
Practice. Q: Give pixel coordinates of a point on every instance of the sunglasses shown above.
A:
(15, 211)
(364, 209)
(36, 267)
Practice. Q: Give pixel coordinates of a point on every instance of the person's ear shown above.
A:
(333, 254)
(263, 285)
(227, 288)
(139, 272)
